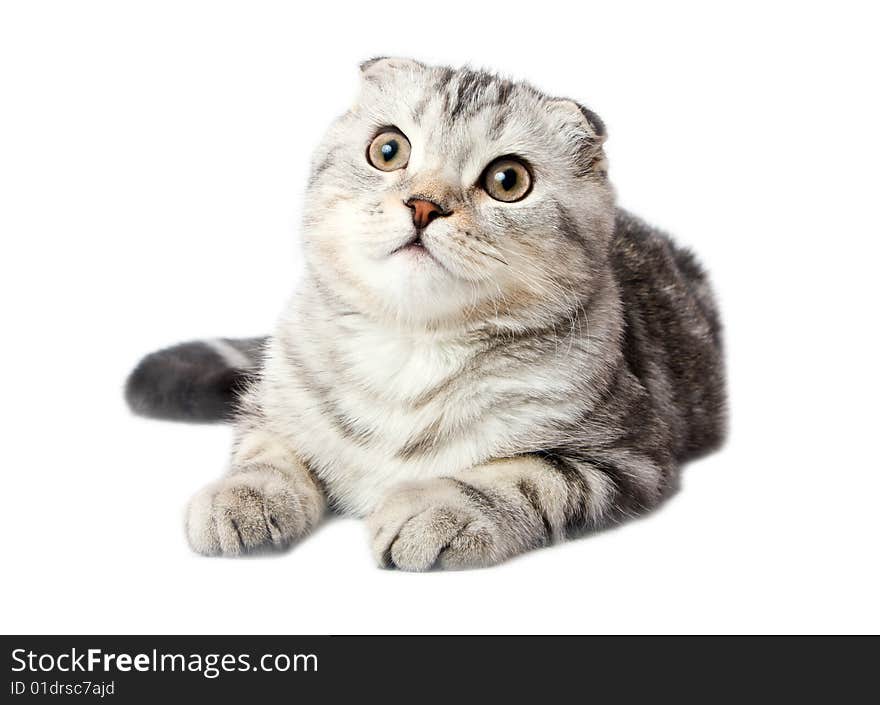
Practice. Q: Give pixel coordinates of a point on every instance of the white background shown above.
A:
(153, 158)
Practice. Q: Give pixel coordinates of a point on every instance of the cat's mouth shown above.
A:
(415, 246)
(417, 251)
(415, 242)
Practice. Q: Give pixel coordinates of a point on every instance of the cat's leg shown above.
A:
(269, 498)
(489, 513)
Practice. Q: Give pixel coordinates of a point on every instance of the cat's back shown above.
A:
(672, 340)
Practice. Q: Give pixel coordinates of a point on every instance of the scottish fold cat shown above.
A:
(485, 354)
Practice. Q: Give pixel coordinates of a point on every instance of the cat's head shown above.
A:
(446, 196)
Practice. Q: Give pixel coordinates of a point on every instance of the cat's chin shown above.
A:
(418, 288)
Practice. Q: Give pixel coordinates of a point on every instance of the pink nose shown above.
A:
(423, 212)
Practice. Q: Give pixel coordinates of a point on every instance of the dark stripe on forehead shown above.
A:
(443, 79)
(420, 108)
(505, 88)
(502, 97)
(498, 123)
(472, 87)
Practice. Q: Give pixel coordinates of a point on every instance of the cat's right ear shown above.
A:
(374, 69)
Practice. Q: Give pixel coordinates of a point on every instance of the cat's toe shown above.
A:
(243, 512)
(385, 523)
(424, 537)
(420, 527)
(475, 546)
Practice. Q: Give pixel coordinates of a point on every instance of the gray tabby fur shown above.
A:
(544, 372)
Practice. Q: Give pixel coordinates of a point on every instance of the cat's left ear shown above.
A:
(585, 130)
(578, 113)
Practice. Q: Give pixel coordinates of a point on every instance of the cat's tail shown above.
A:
(195, 381)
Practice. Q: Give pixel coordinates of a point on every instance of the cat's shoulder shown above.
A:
(639, 250)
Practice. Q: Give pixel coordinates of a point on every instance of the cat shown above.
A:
(485, 354)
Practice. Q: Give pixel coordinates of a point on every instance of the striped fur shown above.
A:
(536, 370)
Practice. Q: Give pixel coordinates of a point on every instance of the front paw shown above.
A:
(247, 510)
(439, 523)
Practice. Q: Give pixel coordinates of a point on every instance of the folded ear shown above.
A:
(586, 132)
(375, 68)
(580, 113)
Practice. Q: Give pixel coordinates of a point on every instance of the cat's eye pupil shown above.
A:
(506, 179)
(389, 149)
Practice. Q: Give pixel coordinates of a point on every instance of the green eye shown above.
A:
(389, 151)
(507, 179)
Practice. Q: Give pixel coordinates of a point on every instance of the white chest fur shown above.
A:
(370, 408)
